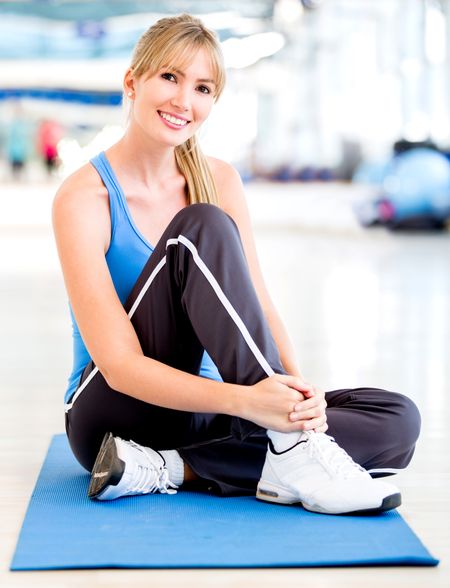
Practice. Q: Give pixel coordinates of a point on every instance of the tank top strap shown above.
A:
(116, 196)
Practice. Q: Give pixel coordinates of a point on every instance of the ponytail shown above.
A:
(194, 166)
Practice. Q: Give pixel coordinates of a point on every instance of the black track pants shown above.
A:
(195, 293)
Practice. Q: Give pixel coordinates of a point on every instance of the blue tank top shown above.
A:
(126, 256)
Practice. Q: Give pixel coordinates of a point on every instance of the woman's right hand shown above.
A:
(270, 402)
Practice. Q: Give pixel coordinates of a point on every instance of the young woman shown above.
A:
(183, 372)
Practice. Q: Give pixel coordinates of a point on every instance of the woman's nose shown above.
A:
(181, 100)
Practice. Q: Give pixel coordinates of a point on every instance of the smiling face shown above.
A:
(170, 105)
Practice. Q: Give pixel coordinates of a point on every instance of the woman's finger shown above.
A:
(315, 412)
(309, 403)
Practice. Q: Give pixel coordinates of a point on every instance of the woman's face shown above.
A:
(172, 104)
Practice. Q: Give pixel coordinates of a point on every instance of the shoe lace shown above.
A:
(151, 478)
(333, 458)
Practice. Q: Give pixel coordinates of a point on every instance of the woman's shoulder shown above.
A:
(222, 170)
(228, 183)
(81, 207)
(83, 186)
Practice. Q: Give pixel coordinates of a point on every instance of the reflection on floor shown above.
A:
(362, 307)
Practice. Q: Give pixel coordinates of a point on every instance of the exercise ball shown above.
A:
(418, 185)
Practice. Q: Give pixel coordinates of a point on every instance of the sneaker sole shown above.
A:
(104, 472)
(388, 503)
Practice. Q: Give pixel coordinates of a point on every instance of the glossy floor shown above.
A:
(362, 307)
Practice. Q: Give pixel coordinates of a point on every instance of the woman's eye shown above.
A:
(168, 76)
(204, 89)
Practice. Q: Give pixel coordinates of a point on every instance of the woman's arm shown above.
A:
(82, 229)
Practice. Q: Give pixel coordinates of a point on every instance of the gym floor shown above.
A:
(363, 307)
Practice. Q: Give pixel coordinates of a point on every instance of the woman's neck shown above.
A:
(148, 164)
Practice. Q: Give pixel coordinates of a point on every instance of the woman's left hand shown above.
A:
(311, 411)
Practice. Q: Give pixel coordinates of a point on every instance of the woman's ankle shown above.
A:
(189, 474)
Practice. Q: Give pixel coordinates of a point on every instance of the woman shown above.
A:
(159, 261)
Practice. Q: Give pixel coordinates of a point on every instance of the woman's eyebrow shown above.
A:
(179, 72)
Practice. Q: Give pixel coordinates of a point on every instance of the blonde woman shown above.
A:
(184, 375)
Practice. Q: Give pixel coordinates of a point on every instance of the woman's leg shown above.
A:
(194, 293)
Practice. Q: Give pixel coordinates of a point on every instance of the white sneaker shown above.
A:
(125, 468)
(320, 475)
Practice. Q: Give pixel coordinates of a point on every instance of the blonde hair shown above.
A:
(173, 41)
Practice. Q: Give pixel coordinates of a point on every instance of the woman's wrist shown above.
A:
(235, 400)
(293, 370)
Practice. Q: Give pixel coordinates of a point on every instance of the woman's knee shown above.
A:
(208, 215)
(403, 425)
(398, 431)
(410, 421)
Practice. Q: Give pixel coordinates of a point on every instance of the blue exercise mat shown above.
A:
(65, 529)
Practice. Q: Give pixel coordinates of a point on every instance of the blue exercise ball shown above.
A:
(419, 185)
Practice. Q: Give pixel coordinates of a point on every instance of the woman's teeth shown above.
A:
(173, 120)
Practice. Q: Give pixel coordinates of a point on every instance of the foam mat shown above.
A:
(63, 529)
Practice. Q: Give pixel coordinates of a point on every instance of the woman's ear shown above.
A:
(128, 84)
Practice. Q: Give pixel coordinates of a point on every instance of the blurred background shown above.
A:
(337, 116)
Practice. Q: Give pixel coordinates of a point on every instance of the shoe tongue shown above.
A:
(337, 459)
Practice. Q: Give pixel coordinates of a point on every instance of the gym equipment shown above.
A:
(418, 185)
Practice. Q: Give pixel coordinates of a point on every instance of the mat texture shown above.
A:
(64, 529)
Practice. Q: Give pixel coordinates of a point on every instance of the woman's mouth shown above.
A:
(172, 121)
